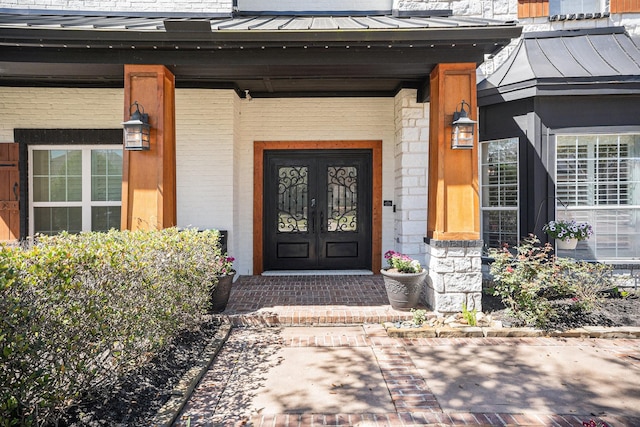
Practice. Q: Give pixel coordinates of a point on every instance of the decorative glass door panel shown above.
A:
(317, 209)
(342, 198)
(293, 188)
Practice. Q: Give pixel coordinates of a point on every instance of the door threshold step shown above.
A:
(289, 273)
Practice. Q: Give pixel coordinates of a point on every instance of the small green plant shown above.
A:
(469, 316)
(419, 316)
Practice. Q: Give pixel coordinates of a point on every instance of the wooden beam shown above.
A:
(149, 177)
(454, 203)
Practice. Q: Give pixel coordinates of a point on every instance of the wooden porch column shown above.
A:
(454, 212)
(149, 177)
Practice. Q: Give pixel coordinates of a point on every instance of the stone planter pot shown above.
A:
(220, 294)
(403, 289)
(569, 244)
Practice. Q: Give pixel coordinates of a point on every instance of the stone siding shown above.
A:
(455, 275)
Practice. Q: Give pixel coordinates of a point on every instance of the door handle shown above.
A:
(15, 190)
(321, 221)
(313, 222)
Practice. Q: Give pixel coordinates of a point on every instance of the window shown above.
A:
(74, 188)
(568, 7)
(499, 192)
(598, 178)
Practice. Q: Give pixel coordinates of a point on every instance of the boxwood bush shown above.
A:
(79, 310)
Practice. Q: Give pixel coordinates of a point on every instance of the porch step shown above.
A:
(307, 300)
(315, 316)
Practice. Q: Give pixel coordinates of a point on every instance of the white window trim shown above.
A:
(86, 204)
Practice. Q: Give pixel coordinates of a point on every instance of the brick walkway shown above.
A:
(226, 396)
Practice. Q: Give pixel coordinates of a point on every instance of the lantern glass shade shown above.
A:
(136, 135)
(137, 131)
(462, 130)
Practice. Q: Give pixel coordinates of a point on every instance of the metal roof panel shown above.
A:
(567, 60)
(559, 54)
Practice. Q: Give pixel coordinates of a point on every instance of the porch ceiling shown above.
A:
(267, 55)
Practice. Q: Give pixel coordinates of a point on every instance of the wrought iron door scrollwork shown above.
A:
(292, 199)
(342, 198)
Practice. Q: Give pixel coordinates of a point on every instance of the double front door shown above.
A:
(317, 209)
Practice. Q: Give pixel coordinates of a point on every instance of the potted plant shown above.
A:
(403, 280)
(223, 267)
(568, 232)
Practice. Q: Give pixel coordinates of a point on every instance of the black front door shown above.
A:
(317, 209)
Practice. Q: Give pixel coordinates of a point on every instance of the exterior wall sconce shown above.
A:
(137, 130)
(463, 129)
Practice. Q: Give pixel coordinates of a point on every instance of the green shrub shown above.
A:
(80, 310)
(529, 279)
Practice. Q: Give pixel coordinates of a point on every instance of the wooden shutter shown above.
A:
(624, 6)
(9, 192)
(533, 8)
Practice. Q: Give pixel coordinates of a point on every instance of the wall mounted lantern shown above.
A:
(137, 130)
(463, 129)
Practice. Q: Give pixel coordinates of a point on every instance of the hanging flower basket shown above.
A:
(568, 244)
(568, 233)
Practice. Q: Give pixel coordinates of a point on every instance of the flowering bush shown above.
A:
(402, 262)
(531, 281)
(565, 230)
(223, 265)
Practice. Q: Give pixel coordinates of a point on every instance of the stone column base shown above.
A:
(455, 275)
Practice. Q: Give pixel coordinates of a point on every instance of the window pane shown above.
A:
(566, 7)
(57, 177)
(500, 198)
(40, 189)
(106, 175)
(104, 218)
(601, 186)
(55, 220)
(500, 227)
(40, 162)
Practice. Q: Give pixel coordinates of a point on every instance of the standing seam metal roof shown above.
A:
(44, 20)
(585, 56)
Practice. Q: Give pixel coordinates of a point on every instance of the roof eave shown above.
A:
(53, 37)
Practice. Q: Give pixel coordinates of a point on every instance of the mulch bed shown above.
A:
(136, 399)
(612, 312)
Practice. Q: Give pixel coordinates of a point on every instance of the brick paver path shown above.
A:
(224, 395)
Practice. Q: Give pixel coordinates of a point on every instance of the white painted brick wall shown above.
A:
(411, 165)
(206, 6)
(215, 131)
(309, 119)
(58, 108)
(204, 158)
